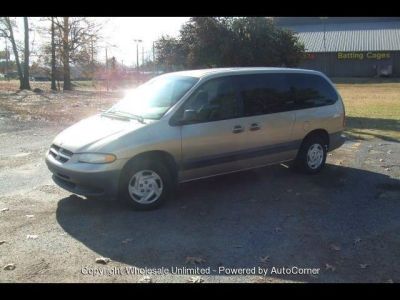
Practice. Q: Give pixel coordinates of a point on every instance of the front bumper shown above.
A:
(86, 179)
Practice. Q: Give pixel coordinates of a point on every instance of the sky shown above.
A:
(118, 35)
(122, 31)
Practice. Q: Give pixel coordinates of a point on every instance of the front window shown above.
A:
(152, 99)
(213, 101)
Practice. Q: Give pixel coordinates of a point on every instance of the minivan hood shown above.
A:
(80, 136)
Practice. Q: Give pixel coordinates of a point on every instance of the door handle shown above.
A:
(254, 127)
(238, 129)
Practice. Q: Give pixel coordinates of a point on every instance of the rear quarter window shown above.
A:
(309, 90)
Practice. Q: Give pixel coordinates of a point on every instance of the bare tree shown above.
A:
(75, 43)
(65, 54)
(53, 57)
(25, 81)
(6, 30)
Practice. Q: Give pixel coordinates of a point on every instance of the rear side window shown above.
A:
(308, 90)
(263, 93)
(278, 92)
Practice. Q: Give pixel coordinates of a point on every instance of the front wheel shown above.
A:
(312, 155)
(146, 185)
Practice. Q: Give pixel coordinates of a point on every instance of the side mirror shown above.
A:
(189, 115)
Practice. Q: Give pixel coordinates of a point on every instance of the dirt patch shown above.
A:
(49, 188)
(55, 107)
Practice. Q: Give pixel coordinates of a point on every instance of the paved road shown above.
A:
(344, 222)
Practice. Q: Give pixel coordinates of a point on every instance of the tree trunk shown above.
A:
(67, 76)
(15, 50)
(25, 81)
(53, 57)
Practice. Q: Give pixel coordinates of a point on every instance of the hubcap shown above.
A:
(315, 155)
(145, 187)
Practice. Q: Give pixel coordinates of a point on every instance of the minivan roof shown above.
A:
(226, 71)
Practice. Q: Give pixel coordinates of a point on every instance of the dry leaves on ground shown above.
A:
(196, 279)
(102, 260)
(194, 260)
(146, 279)
(9, 267)
(32, 236)
(335, 247)
(126, 241)
(330, 267)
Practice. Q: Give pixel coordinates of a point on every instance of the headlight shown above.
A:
(96, 158)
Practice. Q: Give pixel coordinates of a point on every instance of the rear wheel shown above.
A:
(312, 155)
(145, 185)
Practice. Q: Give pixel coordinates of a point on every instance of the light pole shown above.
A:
(107, 68)
(323, 19)
(142, 57)
(154, 60)
(106, 65)
(137, 41)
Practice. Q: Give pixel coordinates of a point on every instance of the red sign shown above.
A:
(310, 56)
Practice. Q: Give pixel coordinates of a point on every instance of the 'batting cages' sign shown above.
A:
(363, 55)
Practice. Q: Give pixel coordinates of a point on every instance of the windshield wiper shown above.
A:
(114, 116)
(124, 114)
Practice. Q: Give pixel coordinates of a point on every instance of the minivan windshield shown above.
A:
(152, 99)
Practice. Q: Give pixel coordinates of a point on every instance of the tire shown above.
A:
(312, 155)
(142, 178)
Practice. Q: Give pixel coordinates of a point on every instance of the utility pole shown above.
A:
(137, 41)
(142, 57)
(107, 68)
(323, 19)
(137, 57)
(92, 57)
(154, 60)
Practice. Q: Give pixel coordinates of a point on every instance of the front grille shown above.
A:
(60, 154)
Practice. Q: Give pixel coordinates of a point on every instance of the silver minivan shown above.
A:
(188, 125)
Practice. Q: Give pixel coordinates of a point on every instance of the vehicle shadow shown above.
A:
(343, 221)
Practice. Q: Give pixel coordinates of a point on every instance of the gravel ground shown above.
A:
(344, 221)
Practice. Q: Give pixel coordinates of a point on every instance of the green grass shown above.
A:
(372, 107)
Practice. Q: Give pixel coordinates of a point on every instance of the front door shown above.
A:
(211, 142)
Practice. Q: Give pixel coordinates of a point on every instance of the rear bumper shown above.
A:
(336, 140)
(94, 180)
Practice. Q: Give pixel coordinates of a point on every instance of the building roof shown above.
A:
(357, 36)
(291, 21)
